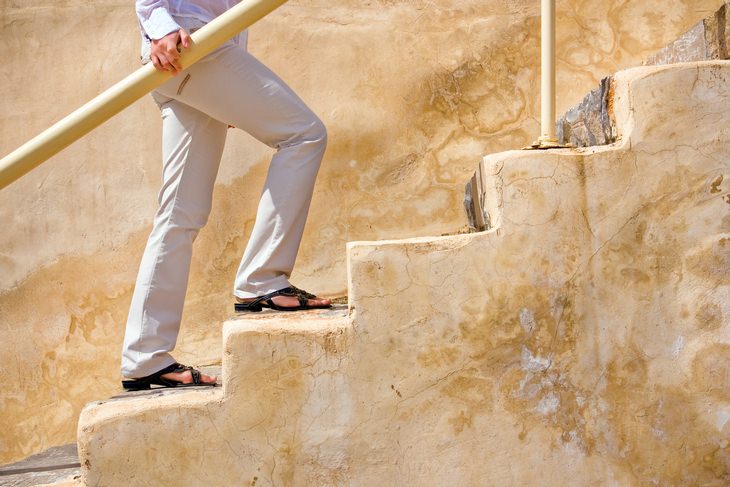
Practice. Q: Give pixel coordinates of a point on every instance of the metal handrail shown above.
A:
(80, 122)
(548, 136)
(548, 133)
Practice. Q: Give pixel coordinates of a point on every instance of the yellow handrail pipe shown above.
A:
(130, 89)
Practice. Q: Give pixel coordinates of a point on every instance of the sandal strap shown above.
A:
(287, 291)
(302, 301)
(175, 367)
(302, 292)
(266, 298)
(195, 373)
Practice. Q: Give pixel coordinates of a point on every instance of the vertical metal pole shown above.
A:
(548, 137)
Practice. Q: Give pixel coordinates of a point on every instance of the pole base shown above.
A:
(544, 143)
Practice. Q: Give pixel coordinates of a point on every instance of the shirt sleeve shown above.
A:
(155, 19)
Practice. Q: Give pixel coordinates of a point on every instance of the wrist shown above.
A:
(166, 37)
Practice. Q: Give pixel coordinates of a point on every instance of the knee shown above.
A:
(318, 133)
(312, 134)
(190, 218)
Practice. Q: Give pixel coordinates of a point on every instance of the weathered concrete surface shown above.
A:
(57, 466)
(281, 375)
(411, 93)
(590, 123)
(74, 481)
(707, 40)
(582, 341)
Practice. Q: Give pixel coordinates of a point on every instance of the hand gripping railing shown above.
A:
(124, 93)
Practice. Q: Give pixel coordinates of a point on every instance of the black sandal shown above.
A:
(145, 383)
(303, 293)
(266, 301)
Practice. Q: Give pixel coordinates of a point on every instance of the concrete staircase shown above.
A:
(582, 340)
(592, 122)
(272, 364)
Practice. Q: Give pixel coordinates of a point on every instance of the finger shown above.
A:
(156, 63)
(173, 57)
(170, 62)
(185, 38)
(175, 65)
(172, 51)
(164, 63)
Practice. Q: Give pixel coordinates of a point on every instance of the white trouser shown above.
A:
(229, 87)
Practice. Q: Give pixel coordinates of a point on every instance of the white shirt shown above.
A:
(156, 16)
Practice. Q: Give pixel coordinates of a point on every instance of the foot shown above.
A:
(290, 301)
(291, 297)
(186, 377)
(174, 375)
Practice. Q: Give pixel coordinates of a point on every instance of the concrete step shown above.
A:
(272, 364)
(593, 123)
(58, 466)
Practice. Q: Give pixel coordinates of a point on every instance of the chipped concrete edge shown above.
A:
(98, 412)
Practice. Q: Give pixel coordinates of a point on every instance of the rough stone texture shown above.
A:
(692, 46)
(474, 199)
(584, 340)
(590, 123)
(479, 200)
(412, 92)
(707, 40)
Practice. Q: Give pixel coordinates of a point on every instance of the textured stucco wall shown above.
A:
(413, 92)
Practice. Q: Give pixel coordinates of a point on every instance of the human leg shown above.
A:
(192, 147)
(237, 89)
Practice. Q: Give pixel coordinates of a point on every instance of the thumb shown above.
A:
(185, 38)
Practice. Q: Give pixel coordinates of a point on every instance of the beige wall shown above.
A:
(413, 94)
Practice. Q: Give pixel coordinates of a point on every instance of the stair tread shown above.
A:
(336, 311)
(283, 322)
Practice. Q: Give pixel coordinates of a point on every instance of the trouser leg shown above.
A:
(192, 146)
(282, 213)
(234, 87)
